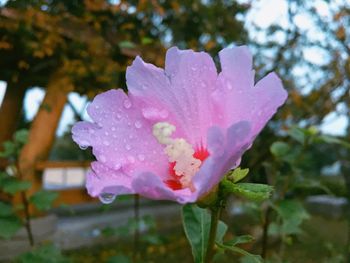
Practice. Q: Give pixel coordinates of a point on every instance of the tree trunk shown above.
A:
(10, 110)
(43, 130)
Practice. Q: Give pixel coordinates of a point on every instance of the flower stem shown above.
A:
(137, 230)
(215, 215)
(265, 236)
(25, 203)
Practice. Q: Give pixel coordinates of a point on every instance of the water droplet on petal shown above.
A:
(154, 114)
(127, 104)
(83, 147)
(141, 157)
(138, 124)
(164, 114)
(128, 147)
(107, 198)
(229, 86)
(102, 158)
(131, 159)
(117, 166)
(113, 128)
(106, 143)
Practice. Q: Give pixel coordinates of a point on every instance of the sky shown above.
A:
(264, 13)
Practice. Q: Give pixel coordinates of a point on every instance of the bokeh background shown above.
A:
(56, 55)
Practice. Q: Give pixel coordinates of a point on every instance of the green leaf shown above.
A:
(21, 136)
(12, 185)
(293, 214)
(119, 259)
(9, 226)
(196, 222)
(332, 140)
(43, 200)
(251, 257)
(239, 240)
(297, 134)
(251, 191)
(238, 174)
(46, 253)
(279, 149)
(146, 40)
(126, 44)
(9, 150)
(5, 209)
(221, 231)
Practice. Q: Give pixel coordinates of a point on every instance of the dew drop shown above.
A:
(106, 143)
(138, 124)
(131, 159)
(113, 128)
(119, 116)
(102, 158)
(83, 147)
(141, 157)
(164, 114)
(128, 147)
(229, 86)
(117, 166)
(127, 104)
(107, 198)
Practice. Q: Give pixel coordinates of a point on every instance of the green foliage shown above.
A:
(240, 240)
(251, 191)
(12, 148)
(5, 209)
(196, 223)
(43, 200)
(10, 224)
(292, 214)
(119, 259)
(237, 174)
(46, 253)
(12, 185)
(280, 149)
(231, 246)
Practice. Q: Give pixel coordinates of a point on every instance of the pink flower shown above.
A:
(179, 129)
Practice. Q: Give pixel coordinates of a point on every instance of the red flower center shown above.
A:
(174, 182)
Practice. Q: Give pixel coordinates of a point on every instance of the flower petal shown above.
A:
(225, 152)
(183, 90)
(120, 136)
(237, 99)
(101, 179)
(151, 186)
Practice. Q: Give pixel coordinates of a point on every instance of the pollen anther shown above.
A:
(179, 151)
